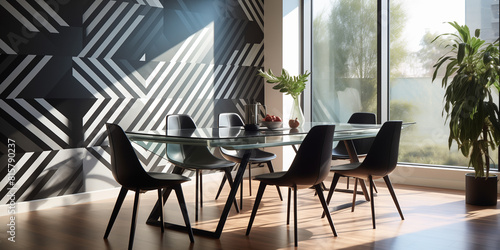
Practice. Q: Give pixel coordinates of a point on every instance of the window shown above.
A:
(344, 59)
(344, 65)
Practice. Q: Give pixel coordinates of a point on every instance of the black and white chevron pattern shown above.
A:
(69, 67)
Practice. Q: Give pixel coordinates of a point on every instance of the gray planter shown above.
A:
(481, 191)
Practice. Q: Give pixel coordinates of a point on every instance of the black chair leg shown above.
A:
(288, 206)
(372, 202)
(249, 181)
(160, 199)
(227, 172)
(116, 209)
(182, 205)
(295, 215)
(260, 193)
(271, 170)
(197, 185)
(221, 186)
(325, 209)
(201, 188)
(134, 219)
(393, 194)
(335, 180)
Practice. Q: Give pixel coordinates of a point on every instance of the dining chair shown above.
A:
(380, 161)
(195, 158)
(129, 173)
(257, 156)
(361, 146)
(309, 168)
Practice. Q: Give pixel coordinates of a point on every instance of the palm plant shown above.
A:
(471, 73)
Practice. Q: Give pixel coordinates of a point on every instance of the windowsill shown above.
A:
(431, 176)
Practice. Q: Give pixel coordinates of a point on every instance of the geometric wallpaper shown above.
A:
(69, 67)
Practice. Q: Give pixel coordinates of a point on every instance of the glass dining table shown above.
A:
(237, 138)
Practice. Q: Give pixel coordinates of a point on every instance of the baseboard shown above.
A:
(59, 201)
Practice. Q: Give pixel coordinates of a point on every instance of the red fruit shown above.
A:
(268, 118)
(293, 123)
(277, 119)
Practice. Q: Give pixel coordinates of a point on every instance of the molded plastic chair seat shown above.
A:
(256, 155)
(128, 172)
(380, 161)
(309, 168)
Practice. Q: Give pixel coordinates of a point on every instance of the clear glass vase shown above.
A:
(296, 119)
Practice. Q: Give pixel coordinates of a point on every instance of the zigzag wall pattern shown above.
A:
(69, 67)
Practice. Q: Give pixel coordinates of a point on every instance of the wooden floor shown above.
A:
(434, 219)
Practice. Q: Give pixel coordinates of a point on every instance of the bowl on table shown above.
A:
(272, 125)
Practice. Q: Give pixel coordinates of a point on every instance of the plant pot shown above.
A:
(481, 191)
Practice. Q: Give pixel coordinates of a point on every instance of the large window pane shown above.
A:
(344, 60)
(413, 97)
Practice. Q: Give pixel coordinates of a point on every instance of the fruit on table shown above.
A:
(272, 118)
(293, 123)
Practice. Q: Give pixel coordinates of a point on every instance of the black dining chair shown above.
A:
(195, 158)
(380, 161)
(309, 168)
(129, 173)
(257, 156)
(361, 146)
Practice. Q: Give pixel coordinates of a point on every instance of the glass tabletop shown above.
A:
(238, 138)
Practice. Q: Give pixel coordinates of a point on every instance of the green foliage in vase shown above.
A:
(472, 71)
(290, 85)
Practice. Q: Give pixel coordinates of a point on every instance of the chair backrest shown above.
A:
(181, 152)
(362, 146)
(125, 166)
(230, 120)
(382, 158)
(180, 121)
(312, 162)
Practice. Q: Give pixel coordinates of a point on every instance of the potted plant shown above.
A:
(471, 73)
(290, 85)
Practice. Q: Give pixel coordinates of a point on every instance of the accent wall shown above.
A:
(69, 67)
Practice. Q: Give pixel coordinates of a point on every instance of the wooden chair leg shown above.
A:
(393, 194)
(134, 219)
(116, 209)
(354, 194)
(160, 199)
(182, 205)
(325, 209)
(372, 202)
(374, 187)
(363, 187)
(260, 193)
(271, 170)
